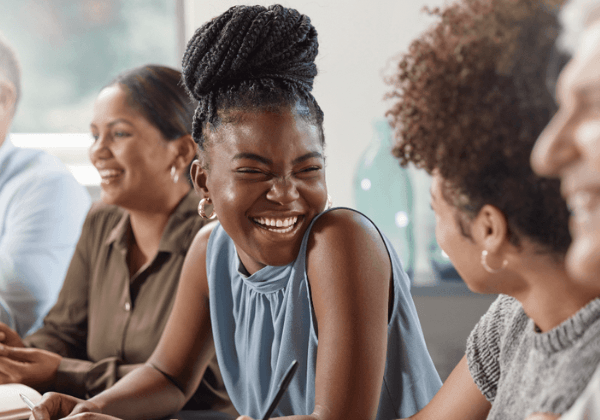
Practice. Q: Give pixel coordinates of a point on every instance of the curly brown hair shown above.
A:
(470, 100)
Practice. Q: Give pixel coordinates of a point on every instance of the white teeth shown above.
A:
(107, 173)
(583, 205)
(287, 224)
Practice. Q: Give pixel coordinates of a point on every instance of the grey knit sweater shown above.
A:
(521, 371)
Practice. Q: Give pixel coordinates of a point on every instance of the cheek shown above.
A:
(443, 234)
(587, 135)
(583, 261)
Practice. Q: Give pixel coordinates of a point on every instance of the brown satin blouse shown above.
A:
(105, 323)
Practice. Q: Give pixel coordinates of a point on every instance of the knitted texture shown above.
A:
(250, 56)
(521, 371)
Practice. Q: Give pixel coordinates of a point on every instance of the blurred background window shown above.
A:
(70, 49)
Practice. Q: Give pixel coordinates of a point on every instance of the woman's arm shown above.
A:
(176, 367)
(350, 272)
(458, 399)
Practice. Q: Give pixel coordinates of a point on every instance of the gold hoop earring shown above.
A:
(174, 174)
(202, 206)
(489, 269)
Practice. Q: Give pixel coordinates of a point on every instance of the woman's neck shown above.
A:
(549, 296)
(147, 228)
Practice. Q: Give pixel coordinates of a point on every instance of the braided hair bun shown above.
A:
(250, 57)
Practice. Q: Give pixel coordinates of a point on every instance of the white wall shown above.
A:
(358, 43)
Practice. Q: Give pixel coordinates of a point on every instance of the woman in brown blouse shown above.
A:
(121, 282)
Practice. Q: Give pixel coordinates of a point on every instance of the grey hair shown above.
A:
(575, 17)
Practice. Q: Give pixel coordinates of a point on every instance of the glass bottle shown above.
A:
(383, 192)
(440, 262)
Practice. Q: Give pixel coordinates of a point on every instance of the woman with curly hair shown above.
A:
(471, 101)
(278, 278)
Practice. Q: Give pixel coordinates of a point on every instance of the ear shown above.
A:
(8, 96)
(185, 151)
(199, 178)
(490, 228)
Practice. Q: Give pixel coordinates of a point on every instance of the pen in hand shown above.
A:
(282, 387)
(27, 401)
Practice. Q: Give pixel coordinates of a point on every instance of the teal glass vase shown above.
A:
(442, 267)
(383, 192)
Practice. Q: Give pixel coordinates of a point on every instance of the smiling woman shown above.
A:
(121, 282)
(278, 278)
(270, 152)
(504, 227)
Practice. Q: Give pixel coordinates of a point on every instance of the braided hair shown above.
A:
(252, 58)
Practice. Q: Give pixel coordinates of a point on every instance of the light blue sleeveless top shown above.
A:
(262, 322)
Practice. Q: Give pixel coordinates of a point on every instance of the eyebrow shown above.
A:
(117, 121)
(261, 159)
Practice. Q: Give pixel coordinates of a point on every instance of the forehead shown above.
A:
(267, 132)
(583, 71)
(112, 98)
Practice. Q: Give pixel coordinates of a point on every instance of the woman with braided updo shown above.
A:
(472, 99)
(279, 278)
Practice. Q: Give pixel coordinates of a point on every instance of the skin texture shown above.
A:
(350, 284)
(126, 141)
(539, 281)
(8, 96)
(569, 148)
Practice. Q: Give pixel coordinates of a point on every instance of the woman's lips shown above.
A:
(585, 210)
(110, 175)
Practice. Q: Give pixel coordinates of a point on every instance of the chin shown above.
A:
(582, 262)
(480, 286)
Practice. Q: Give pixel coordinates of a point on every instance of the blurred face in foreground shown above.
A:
(570, 149)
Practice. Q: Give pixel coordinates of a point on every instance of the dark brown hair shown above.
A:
(157, 92)
(470, 101)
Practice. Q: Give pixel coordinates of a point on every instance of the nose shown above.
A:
(99, 149)
(556, 147)
(283, 190)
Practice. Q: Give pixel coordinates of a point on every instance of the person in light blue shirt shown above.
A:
(42, 208)
(278, 278)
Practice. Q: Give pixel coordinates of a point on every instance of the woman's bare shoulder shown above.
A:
(345, 224)
(200, 242)
(346, 237)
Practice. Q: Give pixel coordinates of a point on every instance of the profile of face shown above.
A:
(569, 148)
(266, 179)
(462, 252)
(131, 155)
(486, 231)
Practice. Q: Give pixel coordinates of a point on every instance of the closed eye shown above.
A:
(308, 172)
(252, 174)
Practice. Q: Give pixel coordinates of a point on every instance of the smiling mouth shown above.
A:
(109, 175)
(584, 206)
(277, 224)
